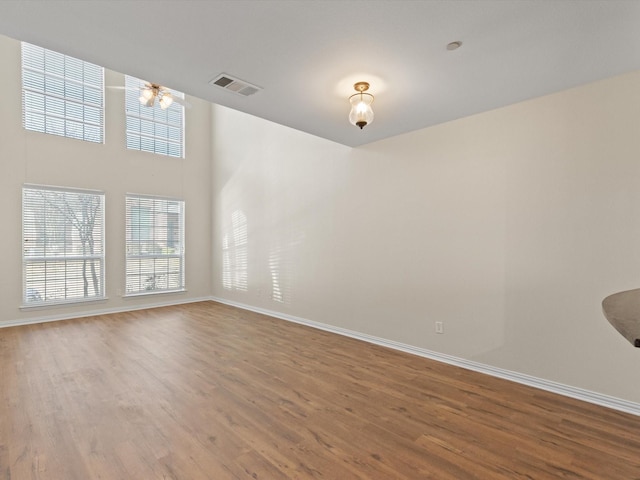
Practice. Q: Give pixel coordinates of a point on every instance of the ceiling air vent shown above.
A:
(234, 85)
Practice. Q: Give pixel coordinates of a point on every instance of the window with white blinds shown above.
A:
(62, 95)
(63, 245)
(154, 245)
(152, 129)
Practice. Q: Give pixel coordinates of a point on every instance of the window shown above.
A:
(155, 244)
(152, 129)
(63, 245)
(62, 95)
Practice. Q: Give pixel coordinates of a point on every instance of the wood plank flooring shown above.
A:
(207, 391)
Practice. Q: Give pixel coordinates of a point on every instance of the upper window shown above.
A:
(155, 244)
(62, 95)
(156, 128)
(63, 245)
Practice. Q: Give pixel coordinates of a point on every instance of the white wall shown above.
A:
(509, 226)
(29, 157)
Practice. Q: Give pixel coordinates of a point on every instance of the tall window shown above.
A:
(155, 244)
(62, 95)
(153, 129)
(63, 245)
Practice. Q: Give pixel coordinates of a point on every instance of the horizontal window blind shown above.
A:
(62, 95)
(63, 245)
(154, 244)
(152, 129)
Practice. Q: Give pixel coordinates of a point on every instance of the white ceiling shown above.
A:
(307, 55)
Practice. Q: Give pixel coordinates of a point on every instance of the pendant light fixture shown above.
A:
(361, 113)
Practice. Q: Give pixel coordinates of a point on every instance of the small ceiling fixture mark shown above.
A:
(454, 45)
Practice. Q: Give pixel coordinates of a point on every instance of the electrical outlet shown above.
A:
(439, 327)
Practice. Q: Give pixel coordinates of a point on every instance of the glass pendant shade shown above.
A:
(166, 100)
(147, 97)
(361, 112)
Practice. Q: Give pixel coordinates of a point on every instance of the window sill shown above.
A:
(157, 292)
(66, 303)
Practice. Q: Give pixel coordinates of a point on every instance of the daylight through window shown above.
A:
(153, 129)
(62, 95)
(63, 245)
(155, 244)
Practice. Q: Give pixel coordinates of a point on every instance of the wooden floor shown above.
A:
(206, 391)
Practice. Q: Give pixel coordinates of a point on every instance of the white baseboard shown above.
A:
(550, 386)
(103, 311)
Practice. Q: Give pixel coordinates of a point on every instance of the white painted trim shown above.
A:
(103, 311)
(548, 385)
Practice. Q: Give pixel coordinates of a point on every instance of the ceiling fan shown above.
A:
(152, 92)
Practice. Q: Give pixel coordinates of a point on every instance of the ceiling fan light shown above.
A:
(147, 93)
(147, 102)
(165, 101)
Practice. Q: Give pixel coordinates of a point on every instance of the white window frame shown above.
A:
(153, 263)
(57, 269)
(152, 129)
(62, 95)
